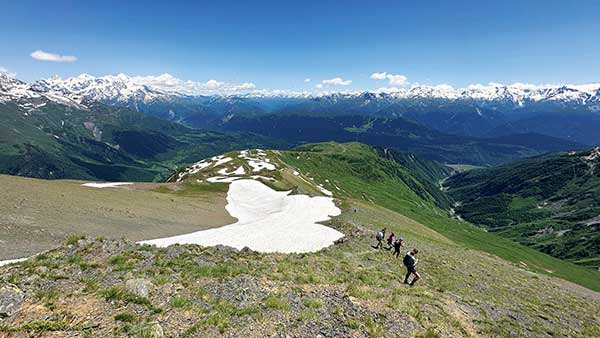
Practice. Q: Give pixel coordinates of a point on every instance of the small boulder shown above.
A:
(139, 286)
(224, 250)
(11, 299)
(155, 330)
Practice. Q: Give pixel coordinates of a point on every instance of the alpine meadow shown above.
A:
(300, 169)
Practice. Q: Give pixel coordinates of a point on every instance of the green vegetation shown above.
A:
(550, 203)
(73, 239)
(181, 303)
(395, 133)
(117, 293)
(106, 143)
(347, 289)
(275, 301)
(360, 173)
(125, 317)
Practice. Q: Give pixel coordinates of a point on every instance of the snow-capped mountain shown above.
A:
(137, 92)
(477, 110)
(111, 89)
(26, 96)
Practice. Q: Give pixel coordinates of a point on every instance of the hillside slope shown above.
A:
(398, 133)
(100, 142)
(105, 287)
(551, 203)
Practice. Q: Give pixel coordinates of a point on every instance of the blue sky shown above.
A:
(279, 44)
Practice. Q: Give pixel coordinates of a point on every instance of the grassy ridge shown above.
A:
(360, 173)
(551, 203)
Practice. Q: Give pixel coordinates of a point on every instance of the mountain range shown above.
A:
(47, 135)
(570, 112)
(102, 110)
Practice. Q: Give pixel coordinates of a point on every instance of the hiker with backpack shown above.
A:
(379, 237)
(410, 261)
(390, 241)
(397, 245)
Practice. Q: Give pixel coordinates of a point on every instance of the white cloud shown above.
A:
(319, 85)
(397, 80)
(394, 79)
(6, 72)
(379, 76)
(45, 56)
(337, 81)
(307, 80)
(212, 84)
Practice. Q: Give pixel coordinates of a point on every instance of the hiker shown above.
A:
(379, 237)
(390, 241)
(410, 261)
(397, 245)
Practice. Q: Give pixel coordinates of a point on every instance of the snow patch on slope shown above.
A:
(105, 185)
(268, 221)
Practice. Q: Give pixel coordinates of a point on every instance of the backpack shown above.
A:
(408, 260)
(379, 236)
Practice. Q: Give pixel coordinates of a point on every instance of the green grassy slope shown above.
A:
(56, 141)
(551, 203)
(360, 173)
(348, 289)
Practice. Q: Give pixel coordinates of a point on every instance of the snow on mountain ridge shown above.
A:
(27, 96)
(132, 91)
(124, 87)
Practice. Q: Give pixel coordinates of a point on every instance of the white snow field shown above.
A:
(10, 261)
(268, 221)
(105, 185)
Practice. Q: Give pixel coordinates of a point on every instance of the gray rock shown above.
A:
(225, 250)
(155, 330)
(174, 251)
(202, 262)
(11, 299)
(139, 286)
(90, 325)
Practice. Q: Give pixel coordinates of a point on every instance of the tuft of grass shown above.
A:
(353, 324)
(120, 263)
(306, 315)
(126, 317)
(41, 257)
(359, 292)
(181, 303)
(274, 301)
(313, 303)
(77, 259)
(195, 271)
(374, 329)
(430, 333)
(47, 297)
(90, 285)
(116, 293)
(36, 326)
(73, 239)
(220, 314)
